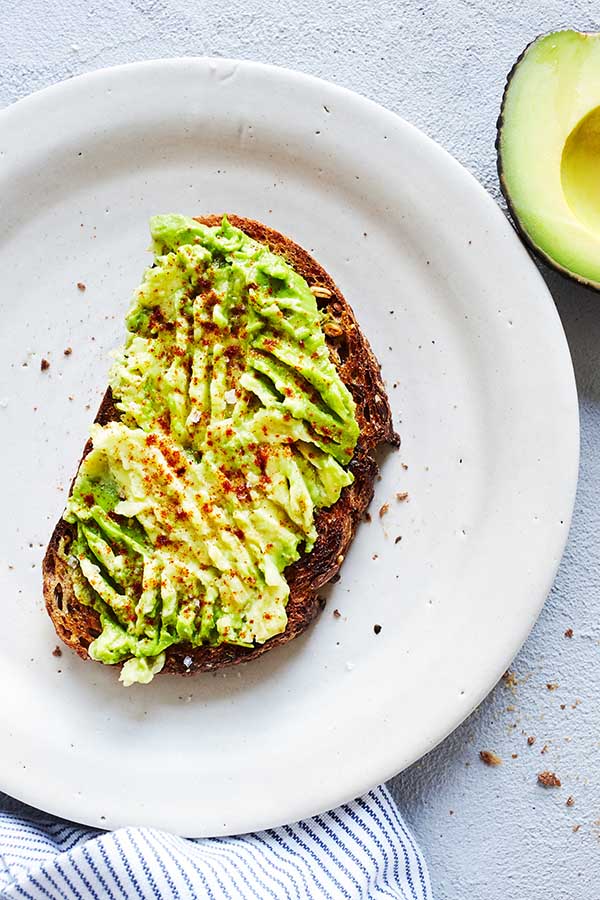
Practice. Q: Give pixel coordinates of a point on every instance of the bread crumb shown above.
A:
(375, 556)
(401, 496)
(548, 779)
(405, 467)
(552, 685)
(67, 351)
(337, 614)
(383, 509)
(398, 539)
(489, 758)
(563, 705)
(570, 801)
(376, 628)
(44, 365)
(510, 679)
(57, 651)
(368, 517)
(544, 749)
(569, 633)
(514, 755)
(81, 285)
(531, 740)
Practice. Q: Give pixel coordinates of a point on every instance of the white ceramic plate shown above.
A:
(482, 388)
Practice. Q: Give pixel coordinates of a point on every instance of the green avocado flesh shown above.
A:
(235, 427)
(549, 150)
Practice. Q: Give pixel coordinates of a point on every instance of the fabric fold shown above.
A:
(360, 850)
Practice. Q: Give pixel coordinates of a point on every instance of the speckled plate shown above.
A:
(482, 389)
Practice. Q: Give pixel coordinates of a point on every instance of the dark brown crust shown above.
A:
(77, 625)
(521, 231)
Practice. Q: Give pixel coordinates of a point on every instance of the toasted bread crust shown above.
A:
(77, 625)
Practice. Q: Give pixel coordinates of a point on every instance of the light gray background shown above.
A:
(487, 832)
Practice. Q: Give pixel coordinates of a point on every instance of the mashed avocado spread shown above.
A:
(235, 427)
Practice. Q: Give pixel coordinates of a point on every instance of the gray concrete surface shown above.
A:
(487, 832)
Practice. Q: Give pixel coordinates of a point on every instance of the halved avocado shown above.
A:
(549, 151)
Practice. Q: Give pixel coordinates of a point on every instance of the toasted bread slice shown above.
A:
(77, 625)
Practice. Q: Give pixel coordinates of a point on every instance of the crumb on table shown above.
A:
(548, 779)
(489, 758)
(44, 365)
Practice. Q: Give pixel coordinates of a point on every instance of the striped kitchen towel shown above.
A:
(361, 850)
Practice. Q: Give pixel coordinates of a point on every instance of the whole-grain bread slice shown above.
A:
(77, 625)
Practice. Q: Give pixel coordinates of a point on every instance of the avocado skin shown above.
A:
(529, 243)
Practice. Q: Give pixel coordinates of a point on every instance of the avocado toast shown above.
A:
(230, 462)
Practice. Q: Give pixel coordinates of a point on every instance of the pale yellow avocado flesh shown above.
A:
(549, 150)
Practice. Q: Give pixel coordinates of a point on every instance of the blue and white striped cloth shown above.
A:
(361, 850)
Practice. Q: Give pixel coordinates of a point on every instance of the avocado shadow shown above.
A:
(579, 310)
